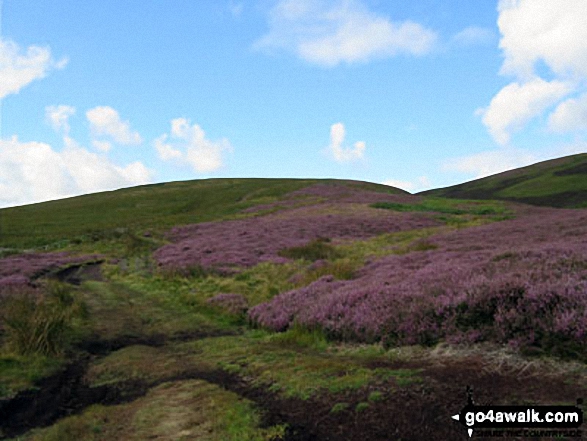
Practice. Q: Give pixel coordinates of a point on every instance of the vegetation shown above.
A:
(556, 183)
(284, 297)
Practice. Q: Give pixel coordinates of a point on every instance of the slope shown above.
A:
(560, 182)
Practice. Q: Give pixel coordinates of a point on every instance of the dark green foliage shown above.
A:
(318, 249)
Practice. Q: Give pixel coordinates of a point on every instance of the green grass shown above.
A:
(290, 368)
(181, 410)
(448, 206)
(20, 372)
(559, 182)
(41, 323)
(318, 249)
(100, 220)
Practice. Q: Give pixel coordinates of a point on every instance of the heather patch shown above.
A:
(234, 304)
(231, 245)
(23, 268)
(469, 289)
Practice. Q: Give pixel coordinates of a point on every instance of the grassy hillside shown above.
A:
(150, 207)
(559, 183)
(309, 309)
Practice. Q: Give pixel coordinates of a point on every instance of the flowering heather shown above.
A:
(349, 194)
(318, 193)
(522, 282)
(232, 303)
(247, 242)
(21, 269)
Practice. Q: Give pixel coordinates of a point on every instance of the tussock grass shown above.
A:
(40, 323)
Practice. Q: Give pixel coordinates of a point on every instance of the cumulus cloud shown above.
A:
(570, 115)
(328, 32)
(543, 30)
(35, 172)
(490, 162)
(516, 104)
(340, 153)
(103, 146)
(188, 144)
(104, 120)
(539, 33)
(19, 69)
(474, 35)
(58, 117)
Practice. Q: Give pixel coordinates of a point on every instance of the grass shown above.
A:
(137, 301)
(559, 183)
(190, 409)
(41, 323)
(130, 212)
(21, 372)
(448, 206)
(318, 249)
(295, 365)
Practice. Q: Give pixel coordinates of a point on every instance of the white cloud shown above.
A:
(474, 35)
(105, 120)
(188, 144)
(540, 37)
(328, 32)
(34, 172)
(570, 115)
(103, 146)
(490, 162)
(58, 117)
(18, 70)
(340, 153)
(166, 151)
(516, 104)
(404, 185)
(422, 184)
(551, 31)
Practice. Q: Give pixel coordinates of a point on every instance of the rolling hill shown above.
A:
(147, 207)
(560, 182)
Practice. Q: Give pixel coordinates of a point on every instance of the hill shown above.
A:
(560, 182)
(97, 216)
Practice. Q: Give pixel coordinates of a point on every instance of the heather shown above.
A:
(521, 282)
(248, 242)
(23, 268)
(234, 304)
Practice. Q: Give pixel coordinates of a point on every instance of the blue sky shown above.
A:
(98, 95)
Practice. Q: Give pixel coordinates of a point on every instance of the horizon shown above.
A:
(101, 95)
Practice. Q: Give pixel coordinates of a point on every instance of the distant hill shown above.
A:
(147, 207)
(560, 182)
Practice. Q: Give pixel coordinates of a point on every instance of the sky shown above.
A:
(97, 95)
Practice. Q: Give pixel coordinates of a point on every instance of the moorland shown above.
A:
(292, 309)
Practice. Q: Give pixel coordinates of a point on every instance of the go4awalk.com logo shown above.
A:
(531, 421)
